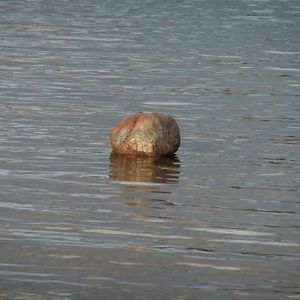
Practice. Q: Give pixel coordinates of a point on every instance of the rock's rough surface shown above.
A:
(146, 134)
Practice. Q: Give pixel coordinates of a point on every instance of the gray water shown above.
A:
(220, 221)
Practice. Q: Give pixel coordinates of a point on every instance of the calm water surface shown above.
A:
(220, 221)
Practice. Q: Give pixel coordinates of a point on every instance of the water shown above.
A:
(220, 221)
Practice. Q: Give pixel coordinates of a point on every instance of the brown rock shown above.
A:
(146, 134)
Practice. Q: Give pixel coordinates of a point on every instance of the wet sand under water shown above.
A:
(218, 221)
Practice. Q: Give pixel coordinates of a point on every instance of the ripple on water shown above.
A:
(220, 220)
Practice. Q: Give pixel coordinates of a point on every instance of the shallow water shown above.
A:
(219, 221)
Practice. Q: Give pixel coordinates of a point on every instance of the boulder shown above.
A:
(146, 134)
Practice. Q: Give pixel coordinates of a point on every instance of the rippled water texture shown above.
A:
(220, 220)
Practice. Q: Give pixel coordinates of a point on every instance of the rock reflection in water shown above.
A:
(144, 169)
